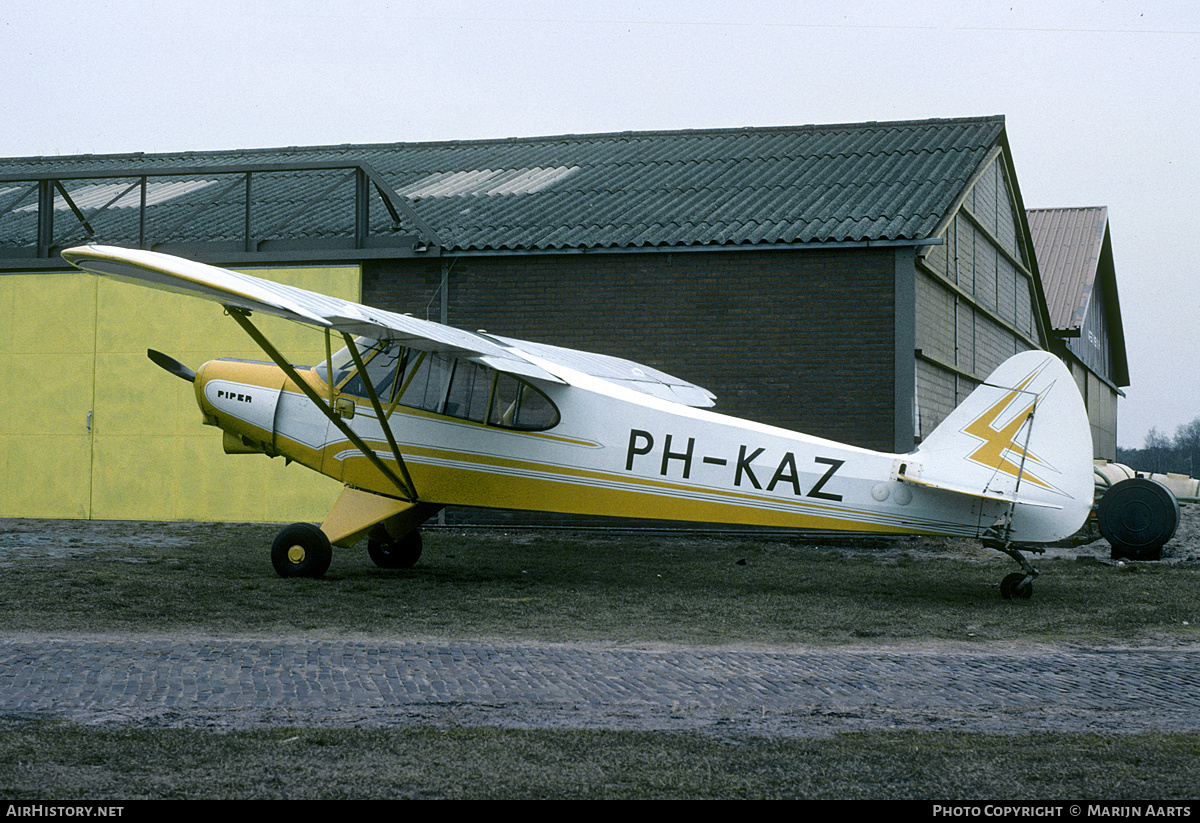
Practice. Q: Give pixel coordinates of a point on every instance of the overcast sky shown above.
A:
(1101, 98)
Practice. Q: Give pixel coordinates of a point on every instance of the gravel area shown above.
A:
(183, 680)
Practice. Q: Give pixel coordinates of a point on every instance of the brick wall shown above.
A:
(800, 339)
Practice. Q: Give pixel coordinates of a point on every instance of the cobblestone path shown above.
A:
(235, 683)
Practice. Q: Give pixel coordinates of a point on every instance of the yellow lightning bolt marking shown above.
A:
(991, 452)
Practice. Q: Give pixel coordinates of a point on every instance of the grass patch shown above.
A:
(556, 587)
(51, 761)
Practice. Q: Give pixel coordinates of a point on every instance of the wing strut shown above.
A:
(407, 490)
(383, 421)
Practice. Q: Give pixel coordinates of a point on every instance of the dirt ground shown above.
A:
(1185, 545)
(31, 539)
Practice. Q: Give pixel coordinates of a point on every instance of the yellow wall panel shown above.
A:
(147, 456)
(191, 478)
(52, 313)
(153, 458)
(46, 476)
(136, 478)
(13, 420)
(50, 393)
(7, 312)
(134, 396)
(46, 356)
(252, 487)
(46, 380)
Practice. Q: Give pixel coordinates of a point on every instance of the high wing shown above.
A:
(617, 370)
(242, 291)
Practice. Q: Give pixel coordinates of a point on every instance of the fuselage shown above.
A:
(612, 451)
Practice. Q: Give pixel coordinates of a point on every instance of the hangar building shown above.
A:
(1074, 250)
(850, 281)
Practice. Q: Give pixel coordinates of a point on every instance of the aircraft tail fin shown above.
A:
(1022, 436)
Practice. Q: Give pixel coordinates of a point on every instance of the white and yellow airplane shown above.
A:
(412, 416)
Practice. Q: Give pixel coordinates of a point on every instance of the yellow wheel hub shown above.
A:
(296, 554)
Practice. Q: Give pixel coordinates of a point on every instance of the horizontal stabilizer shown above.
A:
(957, 489)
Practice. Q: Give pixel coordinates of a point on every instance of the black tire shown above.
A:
(1010, 588)
(1137, 517)
(301, 550)
(389, 552)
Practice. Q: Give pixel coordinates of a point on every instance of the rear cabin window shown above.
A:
(518, 405)
(444, 385)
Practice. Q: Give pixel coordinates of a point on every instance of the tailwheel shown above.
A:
(1016, 587)
(301, 550)
(388, 552)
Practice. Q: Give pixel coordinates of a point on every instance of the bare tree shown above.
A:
(1187, 448)
(1161, 454)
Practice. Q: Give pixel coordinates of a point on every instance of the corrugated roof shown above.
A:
(855, 182)
(1068, 243)
(1074, 253)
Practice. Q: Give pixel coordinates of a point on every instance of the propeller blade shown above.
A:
(171, 364)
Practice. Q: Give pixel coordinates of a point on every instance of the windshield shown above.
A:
(343, 361)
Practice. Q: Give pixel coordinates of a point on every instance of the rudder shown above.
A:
(1022, 435)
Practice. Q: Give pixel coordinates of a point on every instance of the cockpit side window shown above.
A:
(425, 385)
(343, 365)
(442, 384)
(385, 362)
(343, 362)
(470, 390)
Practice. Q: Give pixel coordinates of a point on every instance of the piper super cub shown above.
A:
(413, 416)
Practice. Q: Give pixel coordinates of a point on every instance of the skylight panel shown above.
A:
(487, 182)
(95, 195)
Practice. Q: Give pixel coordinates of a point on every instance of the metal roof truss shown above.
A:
(42, 250)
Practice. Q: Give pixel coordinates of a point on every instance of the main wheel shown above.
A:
(389, 552)
(1137, 517)
(301, 550)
